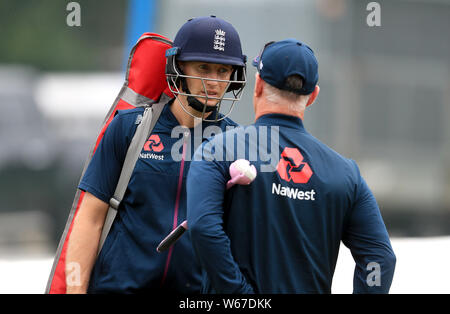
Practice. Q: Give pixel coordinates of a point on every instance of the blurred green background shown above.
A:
(35, 33)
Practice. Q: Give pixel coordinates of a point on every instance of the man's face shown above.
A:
(209, 72)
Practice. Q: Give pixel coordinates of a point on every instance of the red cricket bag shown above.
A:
(145, 83)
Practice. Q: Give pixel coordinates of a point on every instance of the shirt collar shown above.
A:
(281, 120)
(169, 119)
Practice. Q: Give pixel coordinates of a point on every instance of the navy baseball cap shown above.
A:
(281, 59)
(209, 39)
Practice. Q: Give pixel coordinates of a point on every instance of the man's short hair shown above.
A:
(293, 82)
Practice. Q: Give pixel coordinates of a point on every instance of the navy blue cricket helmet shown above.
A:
(206, 39)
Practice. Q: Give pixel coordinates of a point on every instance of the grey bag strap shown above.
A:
(145, 127)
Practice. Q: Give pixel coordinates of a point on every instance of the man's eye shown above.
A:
(224, 70)
(203, 67)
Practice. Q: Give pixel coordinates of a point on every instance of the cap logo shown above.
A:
(219, 40)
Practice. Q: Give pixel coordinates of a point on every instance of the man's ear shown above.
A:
(258, 85)
(313, 96)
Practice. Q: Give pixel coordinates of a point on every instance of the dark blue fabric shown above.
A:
(208, 39)
(255, 238)
(281, 59)
(128, 261)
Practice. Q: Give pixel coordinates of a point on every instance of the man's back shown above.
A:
(282, 233)
(285, 228)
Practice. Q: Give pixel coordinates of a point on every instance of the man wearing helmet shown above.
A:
(205, 64)
(198, 54)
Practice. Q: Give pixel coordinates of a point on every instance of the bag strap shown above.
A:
(145, 127)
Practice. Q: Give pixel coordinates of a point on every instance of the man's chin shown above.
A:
(209, 103)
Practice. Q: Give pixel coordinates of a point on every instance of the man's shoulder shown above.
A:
(333, 156)
(124, 123)
(228, 128)
(128, 118)
(227, 124)
(129, 113)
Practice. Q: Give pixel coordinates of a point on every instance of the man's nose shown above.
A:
(214, 75)
(212, 78)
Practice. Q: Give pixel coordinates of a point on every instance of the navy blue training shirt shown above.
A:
(281, 233)
(154, 202)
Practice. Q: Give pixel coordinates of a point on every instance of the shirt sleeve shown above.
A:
(102, 174)
(368, 240)
(206, 183)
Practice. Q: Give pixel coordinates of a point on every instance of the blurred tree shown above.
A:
(36, 33)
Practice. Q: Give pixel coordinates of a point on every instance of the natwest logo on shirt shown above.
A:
(154, 144)
(291, 166)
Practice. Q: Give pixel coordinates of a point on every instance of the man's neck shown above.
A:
(266, 108)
